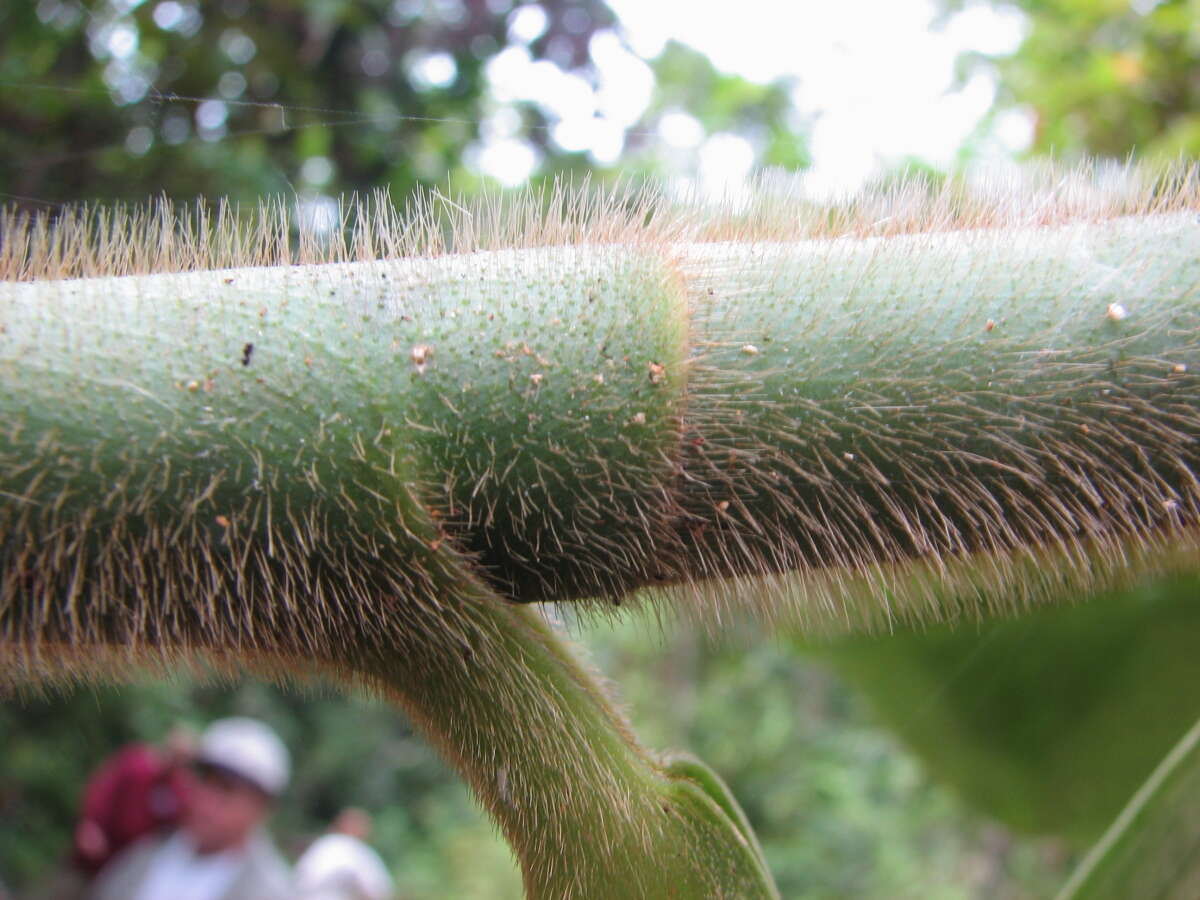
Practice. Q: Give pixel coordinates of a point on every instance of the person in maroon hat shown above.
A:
(137, 791)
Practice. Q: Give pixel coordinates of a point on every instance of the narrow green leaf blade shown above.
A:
(1152, 849)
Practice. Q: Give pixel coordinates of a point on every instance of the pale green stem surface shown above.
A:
(939, 426)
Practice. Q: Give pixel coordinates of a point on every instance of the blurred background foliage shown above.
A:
(977, 762)
(118, 100)
(1107, 78)
(1050, 721)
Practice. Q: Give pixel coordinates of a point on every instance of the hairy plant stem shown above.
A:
(180, 395)
(589, 812)
(362, 465)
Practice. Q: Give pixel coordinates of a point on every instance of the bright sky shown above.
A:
(874, 74)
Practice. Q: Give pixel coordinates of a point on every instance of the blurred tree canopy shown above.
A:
(122, 99)
(1104, 78)
(232, 98)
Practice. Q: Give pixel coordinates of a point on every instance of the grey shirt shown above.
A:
(261, 873)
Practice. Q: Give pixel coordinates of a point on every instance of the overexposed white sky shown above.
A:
(872, 75)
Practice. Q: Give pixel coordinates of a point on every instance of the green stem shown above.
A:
(939, 425)
(295, 500)
(588, 812)
(299, 438)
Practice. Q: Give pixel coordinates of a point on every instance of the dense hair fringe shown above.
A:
(741, 520)
(98, 240)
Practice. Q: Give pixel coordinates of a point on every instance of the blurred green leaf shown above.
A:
(1048, 722)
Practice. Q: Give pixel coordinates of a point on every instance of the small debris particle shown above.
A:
(247, 352)
(1085, 429)
(262, 313)
(1170, 505)
(228, 281)
(657, 372)
(638, 419)
(848, 457)
(223, 521)
(989, 325)
(750, 350)
(537, 378)
(193, 385)
(723, 506)
(1116, 312)
(421, 354)
(1179, 368)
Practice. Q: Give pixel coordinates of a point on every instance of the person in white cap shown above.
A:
(220, 850)
(340, 865)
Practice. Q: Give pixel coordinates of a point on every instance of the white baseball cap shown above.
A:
(249, 749)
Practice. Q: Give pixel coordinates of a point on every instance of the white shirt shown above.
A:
(342, 867)
(177, 872)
